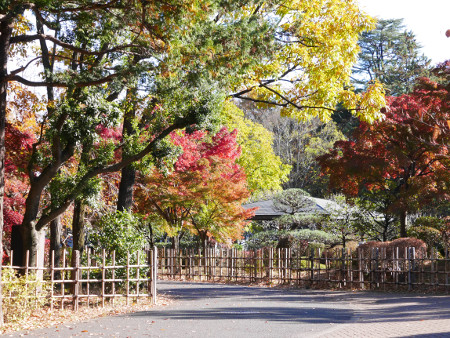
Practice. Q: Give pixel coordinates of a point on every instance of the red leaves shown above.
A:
(206, 188)
(406, 154)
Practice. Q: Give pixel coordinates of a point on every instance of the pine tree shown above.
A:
(391, 55)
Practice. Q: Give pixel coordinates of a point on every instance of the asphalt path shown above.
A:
(216, 310)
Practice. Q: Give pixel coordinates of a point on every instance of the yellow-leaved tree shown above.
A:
(309, 72)
(264, 170)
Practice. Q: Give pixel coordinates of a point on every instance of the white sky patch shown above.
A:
(427, 19)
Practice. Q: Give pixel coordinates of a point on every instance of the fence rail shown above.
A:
(374, 269)
(92, 278)
(95, 278)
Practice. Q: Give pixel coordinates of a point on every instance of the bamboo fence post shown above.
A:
(138, 276)
(446, 269)
(383, 268)
(232, 264)
(360, 267)
(411, 265)
(178, 262)
(405, 266)
(221, 264)
(63, 275)
(271, 265)
(311, 262)
(154, 274)
(434, 268)
(88, 277)
(11, 266)
(113, 274)
(397, 266)
(214, 263)
(36, 274)
(103, 277)
(76, 279)
(377, 270)
(128, 279)
(52, 277)
(289, 264)
(299, 263)
(318, 264)
(350, 266)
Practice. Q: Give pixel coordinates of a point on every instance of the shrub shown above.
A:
(401, 243)
(316, 236)
(432, 230)
(296, 239)
(119, 232)
(27, 290)
(265, 239)
(299, 221)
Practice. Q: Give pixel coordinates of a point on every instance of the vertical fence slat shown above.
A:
(403, 268)
(103, 277)
(76, 274)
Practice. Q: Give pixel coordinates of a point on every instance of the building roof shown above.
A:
(267, 211)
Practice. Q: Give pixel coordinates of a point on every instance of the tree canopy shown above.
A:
(403, 159)
(391, 55)
(172, 65)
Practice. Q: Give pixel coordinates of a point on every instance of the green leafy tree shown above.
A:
(298, 143)
(264, 170)
(343, 220)
(184, 59)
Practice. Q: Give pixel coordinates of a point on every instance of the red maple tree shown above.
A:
(18, 148)
(204, 192)
(405, 157)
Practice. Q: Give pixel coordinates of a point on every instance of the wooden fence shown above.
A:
(402, 269)
(95, 278)
(92, 278)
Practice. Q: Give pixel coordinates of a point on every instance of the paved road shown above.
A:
(213, 310)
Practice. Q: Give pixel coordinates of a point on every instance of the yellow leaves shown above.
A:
(263, 168)
(23, 108)
(371, 102)
(319, 38)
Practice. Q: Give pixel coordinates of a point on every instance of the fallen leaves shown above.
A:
(42, 318)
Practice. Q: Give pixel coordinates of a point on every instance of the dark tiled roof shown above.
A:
(267, 211)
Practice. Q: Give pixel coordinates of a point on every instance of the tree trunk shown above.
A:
(28, 229)
(55, 239)
(5, 35)
(125, 199)
(175, 242)
(78, 225)
(403, 223)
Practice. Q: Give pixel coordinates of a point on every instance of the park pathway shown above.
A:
(215, 310)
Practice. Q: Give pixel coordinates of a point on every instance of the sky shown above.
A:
(427, 19)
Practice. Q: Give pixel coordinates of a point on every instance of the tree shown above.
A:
(298, 143)
(390, 54)
(97, 44)
(264, 170)
(405, 157)
(186, 58)
(342, 220)
(377, 220)
(204, 192)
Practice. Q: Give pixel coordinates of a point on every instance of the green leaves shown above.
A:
(264, 170)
